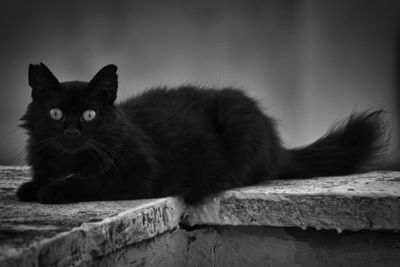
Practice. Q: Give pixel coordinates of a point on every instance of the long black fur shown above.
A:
(185, 141)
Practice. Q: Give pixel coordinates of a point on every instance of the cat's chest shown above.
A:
(65, 164)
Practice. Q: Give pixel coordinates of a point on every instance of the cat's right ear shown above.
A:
(41, 80)
(105, 84)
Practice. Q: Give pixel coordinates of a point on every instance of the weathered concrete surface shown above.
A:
(261, 246)
(368, 201)
(33, 234)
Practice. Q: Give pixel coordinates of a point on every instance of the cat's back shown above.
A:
(182, 99)
(170, 99)
(187, 105)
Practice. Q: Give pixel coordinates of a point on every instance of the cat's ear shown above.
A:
(105, 84)
(41, 80)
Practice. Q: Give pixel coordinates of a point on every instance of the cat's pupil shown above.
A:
(56, 114)
(89, 115)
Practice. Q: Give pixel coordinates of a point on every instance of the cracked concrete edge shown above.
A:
(360, 202)
(335, 212)
(81, 245)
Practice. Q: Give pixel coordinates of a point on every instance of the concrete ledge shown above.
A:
(368, 201)
(33, 234)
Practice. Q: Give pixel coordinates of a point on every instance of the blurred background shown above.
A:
(310, 63)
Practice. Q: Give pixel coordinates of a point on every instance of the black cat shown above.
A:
(181, 141)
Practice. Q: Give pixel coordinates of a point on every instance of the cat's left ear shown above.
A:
(41, 80)
(105, 84)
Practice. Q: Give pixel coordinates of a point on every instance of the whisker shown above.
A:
(114, 159)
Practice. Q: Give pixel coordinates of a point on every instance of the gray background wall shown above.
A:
(308, 62)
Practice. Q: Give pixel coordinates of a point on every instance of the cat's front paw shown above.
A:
(56, 193)
(28, 191)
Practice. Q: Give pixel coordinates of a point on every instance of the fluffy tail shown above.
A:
(349, 147)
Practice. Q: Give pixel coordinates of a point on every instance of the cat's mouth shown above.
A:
(72, 146)
(72, 149)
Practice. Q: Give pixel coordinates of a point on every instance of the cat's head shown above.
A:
(70, 116)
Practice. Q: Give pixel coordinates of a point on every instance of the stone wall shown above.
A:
(261, 246)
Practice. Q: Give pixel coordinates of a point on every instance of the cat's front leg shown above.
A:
(71, 188)
(28, 191)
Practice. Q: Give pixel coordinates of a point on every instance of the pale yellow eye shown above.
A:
(56, 114)
(89, 115)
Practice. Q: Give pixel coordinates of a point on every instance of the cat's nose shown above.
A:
(72, 132)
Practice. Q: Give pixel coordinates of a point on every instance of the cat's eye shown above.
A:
(89, 115)
(56, 114)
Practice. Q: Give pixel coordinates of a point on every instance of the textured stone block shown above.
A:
(33, 234)
(368, 201)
